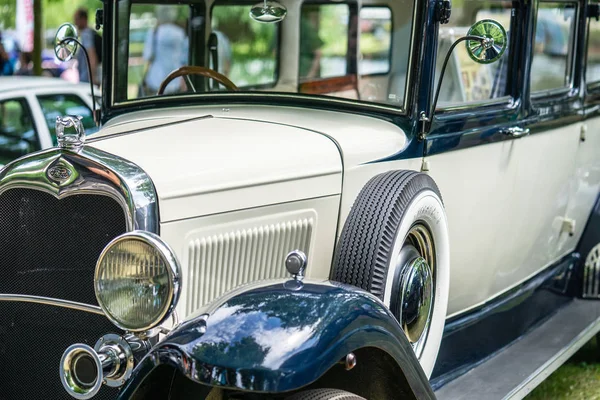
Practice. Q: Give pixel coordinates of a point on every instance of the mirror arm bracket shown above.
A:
(89, 66)
(426, 119)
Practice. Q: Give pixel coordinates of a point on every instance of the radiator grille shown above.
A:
(220, 262)
(33, 338)
(49, 247)
(591, 274)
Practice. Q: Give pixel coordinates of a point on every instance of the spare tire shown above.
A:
(395, 245)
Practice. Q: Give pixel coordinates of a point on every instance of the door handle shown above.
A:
(516, 132)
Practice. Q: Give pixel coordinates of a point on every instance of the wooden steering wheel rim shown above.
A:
(194, 70)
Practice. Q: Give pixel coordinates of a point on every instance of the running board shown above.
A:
(516, 370)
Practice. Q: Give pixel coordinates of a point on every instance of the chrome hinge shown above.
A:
(423, 120)
(99, 19)
(582, 132)
(443, 10)
(593, 11)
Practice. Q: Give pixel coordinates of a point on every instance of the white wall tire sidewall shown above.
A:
(427, 207)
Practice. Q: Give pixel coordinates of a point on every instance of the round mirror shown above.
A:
(492, 45)
(268, 12)
(63, 48)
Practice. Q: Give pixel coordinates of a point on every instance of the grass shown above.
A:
(578, 379)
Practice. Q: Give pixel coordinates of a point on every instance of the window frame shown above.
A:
(352, 6)
(24, 101)
(113, 104)
(506, 102)
(278, 34)
(592, 88)
(539, 96)
(390, 50)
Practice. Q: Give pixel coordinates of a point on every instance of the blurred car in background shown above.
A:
(51, 66)
(28, 110)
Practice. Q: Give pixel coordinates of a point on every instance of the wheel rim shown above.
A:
(413, 290)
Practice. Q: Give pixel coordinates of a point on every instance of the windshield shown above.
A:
(332, 49)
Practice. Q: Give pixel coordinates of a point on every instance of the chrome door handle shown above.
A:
(516, 132)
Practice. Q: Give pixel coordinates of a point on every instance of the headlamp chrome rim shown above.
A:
(173, 270)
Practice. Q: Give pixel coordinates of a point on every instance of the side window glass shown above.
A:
(592, 71)
(323, 41)
(465, 80)
(375, 40)
(554, 31)
(247, 51)
(58, 105)
(17, 132)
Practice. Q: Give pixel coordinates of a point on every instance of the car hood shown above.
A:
(203, 165)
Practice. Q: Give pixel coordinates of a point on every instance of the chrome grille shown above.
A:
(49, 247)
(220, 262)
(591, 274)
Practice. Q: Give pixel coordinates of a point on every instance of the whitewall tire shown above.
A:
(395, 245)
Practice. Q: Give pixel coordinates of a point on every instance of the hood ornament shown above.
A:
(70, 141)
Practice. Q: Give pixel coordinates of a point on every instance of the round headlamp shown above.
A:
(137, 281)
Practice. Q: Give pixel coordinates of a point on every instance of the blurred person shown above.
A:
(310, 43)
(25, 64)
(165, 50)
(5, 64)
(225, 53)
(88, 40)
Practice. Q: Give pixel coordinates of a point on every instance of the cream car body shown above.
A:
(484, 212)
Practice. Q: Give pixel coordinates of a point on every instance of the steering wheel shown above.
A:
(193, 70)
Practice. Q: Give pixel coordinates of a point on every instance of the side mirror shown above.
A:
(486, 43)
(65, 46)
(268, 11)
(493, 45)
(65, 42)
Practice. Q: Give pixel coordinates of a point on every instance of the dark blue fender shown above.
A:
(279, 336)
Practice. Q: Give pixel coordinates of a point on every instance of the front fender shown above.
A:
(280, 336)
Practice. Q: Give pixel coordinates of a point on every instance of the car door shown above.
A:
(471, 157)
(547, 155)
(18, 135)
(585, 182)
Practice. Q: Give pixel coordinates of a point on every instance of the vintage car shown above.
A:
(380, 199)
(28, 110)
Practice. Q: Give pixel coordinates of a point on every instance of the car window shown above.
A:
(592, 72)
(313, 51)
(158, 45)
(323, 41)
(246, 52)
(375, 40)
(17, 133)
(554, 32)
(59, 105)
(465, 80)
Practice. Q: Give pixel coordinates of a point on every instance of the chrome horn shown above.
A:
(83, 370)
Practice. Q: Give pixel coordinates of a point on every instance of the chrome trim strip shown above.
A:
(92, 171)
(52, 302)
(552, 364)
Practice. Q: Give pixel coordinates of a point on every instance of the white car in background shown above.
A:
(28, 110)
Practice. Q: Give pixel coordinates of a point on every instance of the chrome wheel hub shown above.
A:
(416, 299)
(413, 291)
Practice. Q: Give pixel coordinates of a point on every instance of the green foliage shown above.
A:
(578, 379)
(55, 12)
